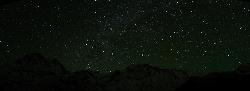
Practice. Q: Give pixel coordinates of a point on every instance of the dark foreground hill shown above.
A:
(238, 80)
(36, 73)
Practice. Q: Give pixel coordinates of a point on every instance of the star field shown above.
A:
(198, 36)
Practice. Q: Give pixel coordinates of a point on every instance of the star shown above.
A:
(111, 35)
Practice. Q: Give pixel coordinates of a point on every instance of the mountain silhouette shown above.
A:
(36, 73)
(237, 80)
(31, 72)
(145, 78)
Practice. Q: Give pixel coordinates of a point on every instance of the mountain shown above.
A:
(134, 78)
(145, 78)
(237, 80)
(36, 73)
(31, 72)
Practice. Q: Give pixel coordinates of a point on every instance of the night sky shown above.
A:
(197, 36)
